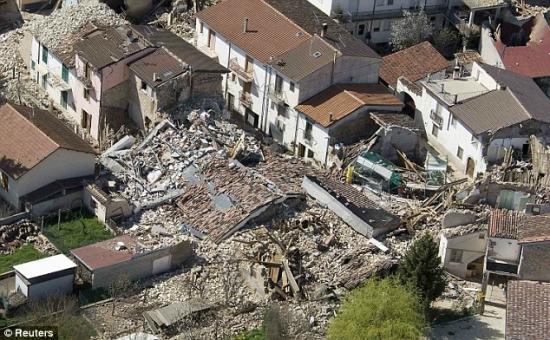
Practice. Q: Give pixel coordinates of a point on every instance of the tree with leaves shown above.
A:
(381, 309)
(410, 30)
(446, 41)
(421, 269)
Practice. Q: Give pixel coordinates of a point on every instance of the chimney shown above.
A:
(455, 99)
(155, 77)
(324, 30)
(442, 88)
(245, 27)
(330, 117)
(456, 70)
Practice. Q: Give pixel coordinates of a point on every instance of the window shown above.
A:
(386, 24)
(278, 84)
(87, 71)
(233, 77)
(65, 73)
(453, 121)
(86, 121)
(310, 153)
(292, 85)
(44, 54)
(272, 105)
(456, 255)
(308, 130)
(201, 27)
(45, 81)
(4, 181)
(143, 86)
(460, 152)
(211, 39)
(301, 150)
(390, 2)
(361, 30)
(33, 65)
(435, 130)
(86, 94)
(481, 236)
(376, 26)
(380, 2)
(248, 64)
(64, 98)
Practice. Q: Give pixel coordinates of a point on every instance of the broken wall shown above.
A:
(206, 83)
(144, 265)
(398, 138)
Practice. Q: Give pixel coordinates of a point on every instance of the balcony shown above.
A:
(277, 96)
(245, 75)
(246, 99)
(395, 12)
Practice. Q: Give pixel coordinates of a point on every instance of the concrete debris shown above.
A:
(13, 236)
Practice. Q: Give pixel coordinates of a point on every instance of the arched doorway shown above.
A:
(470, 167)
(410, 106)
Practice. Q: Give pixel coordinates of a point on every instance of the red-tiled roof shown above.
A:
(28, 136)
(534, 229)
(104, 254)
(340, 100)
(504, 223)
(528, 310)
(413, 63)
(269, 33)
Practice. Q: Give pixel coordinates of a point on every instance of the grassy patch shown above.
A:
(254, 334)
(23, 254)
(75, 230)
(75, 327)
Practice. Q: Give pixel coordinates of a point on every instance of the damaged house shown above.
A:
(520, 47)
(42, 162)
(305, 91)
(107, 77)
(474, 120)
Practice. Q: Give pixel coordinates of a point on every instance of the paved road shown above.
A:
(490, 325)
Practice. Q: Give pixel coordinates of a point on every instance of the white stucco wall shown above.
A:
(504, 249)
(58, 286)
(472, 246)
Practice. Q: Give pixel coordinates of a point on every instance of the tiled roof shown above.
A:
(504, 223)
(28, 136)
(340, 100)
(183, 50)
(534, 229)
(310, 18)
(305, 59)
(413, 63)
(159, 64)
(103, 47)
(528, 310)
(525, 90)
(356, 202)
(473, 4)
(104, 254)
(490, 112)
(269, 32)
(533, 59)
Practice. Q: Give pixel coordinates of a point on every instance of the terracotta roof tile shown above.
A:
(340, 100)
(269, 32)
(528, 310)
(160, 64)
(534, 229)
(504, 223)
(28, 136)
(413, 63)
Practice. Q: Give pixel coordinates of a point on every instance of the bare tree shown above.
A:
(410, 30)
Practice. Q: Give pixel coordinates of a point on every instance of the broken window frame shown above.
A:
(44, 54)
(86, 94)
(460, 152)
(456, 255)
(4, 181)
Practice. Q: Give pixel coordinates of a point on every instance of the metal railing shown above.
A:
(241, 72)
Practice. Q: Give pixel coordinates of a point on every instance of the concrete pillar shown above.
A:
(484, 283)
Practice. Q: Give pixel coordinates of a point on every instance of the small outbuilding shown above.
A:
(42, 278)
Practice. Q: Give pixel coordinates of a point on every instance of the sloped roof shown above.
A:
(269, 32)
(504, 223)
(413, 63)
(104, 254)
(183, 50)
(340, 100)
(28, 136)
(534, 229)
(103, 47)
(311, 18)
(303, 60)
(527, 310)
(491, 111)
(159, 64)
(525, 90)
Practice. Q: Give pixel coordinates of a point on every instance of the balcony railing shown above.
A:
(380, 13)
(246, 99)
(243, 74)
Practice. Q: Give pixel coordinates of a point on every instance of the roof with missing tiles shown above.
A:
(505, 223)
(157, 67)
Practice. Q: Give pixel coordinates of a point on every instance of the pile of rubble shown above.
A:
(13, 236)
(155, 170)
(529, 8)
